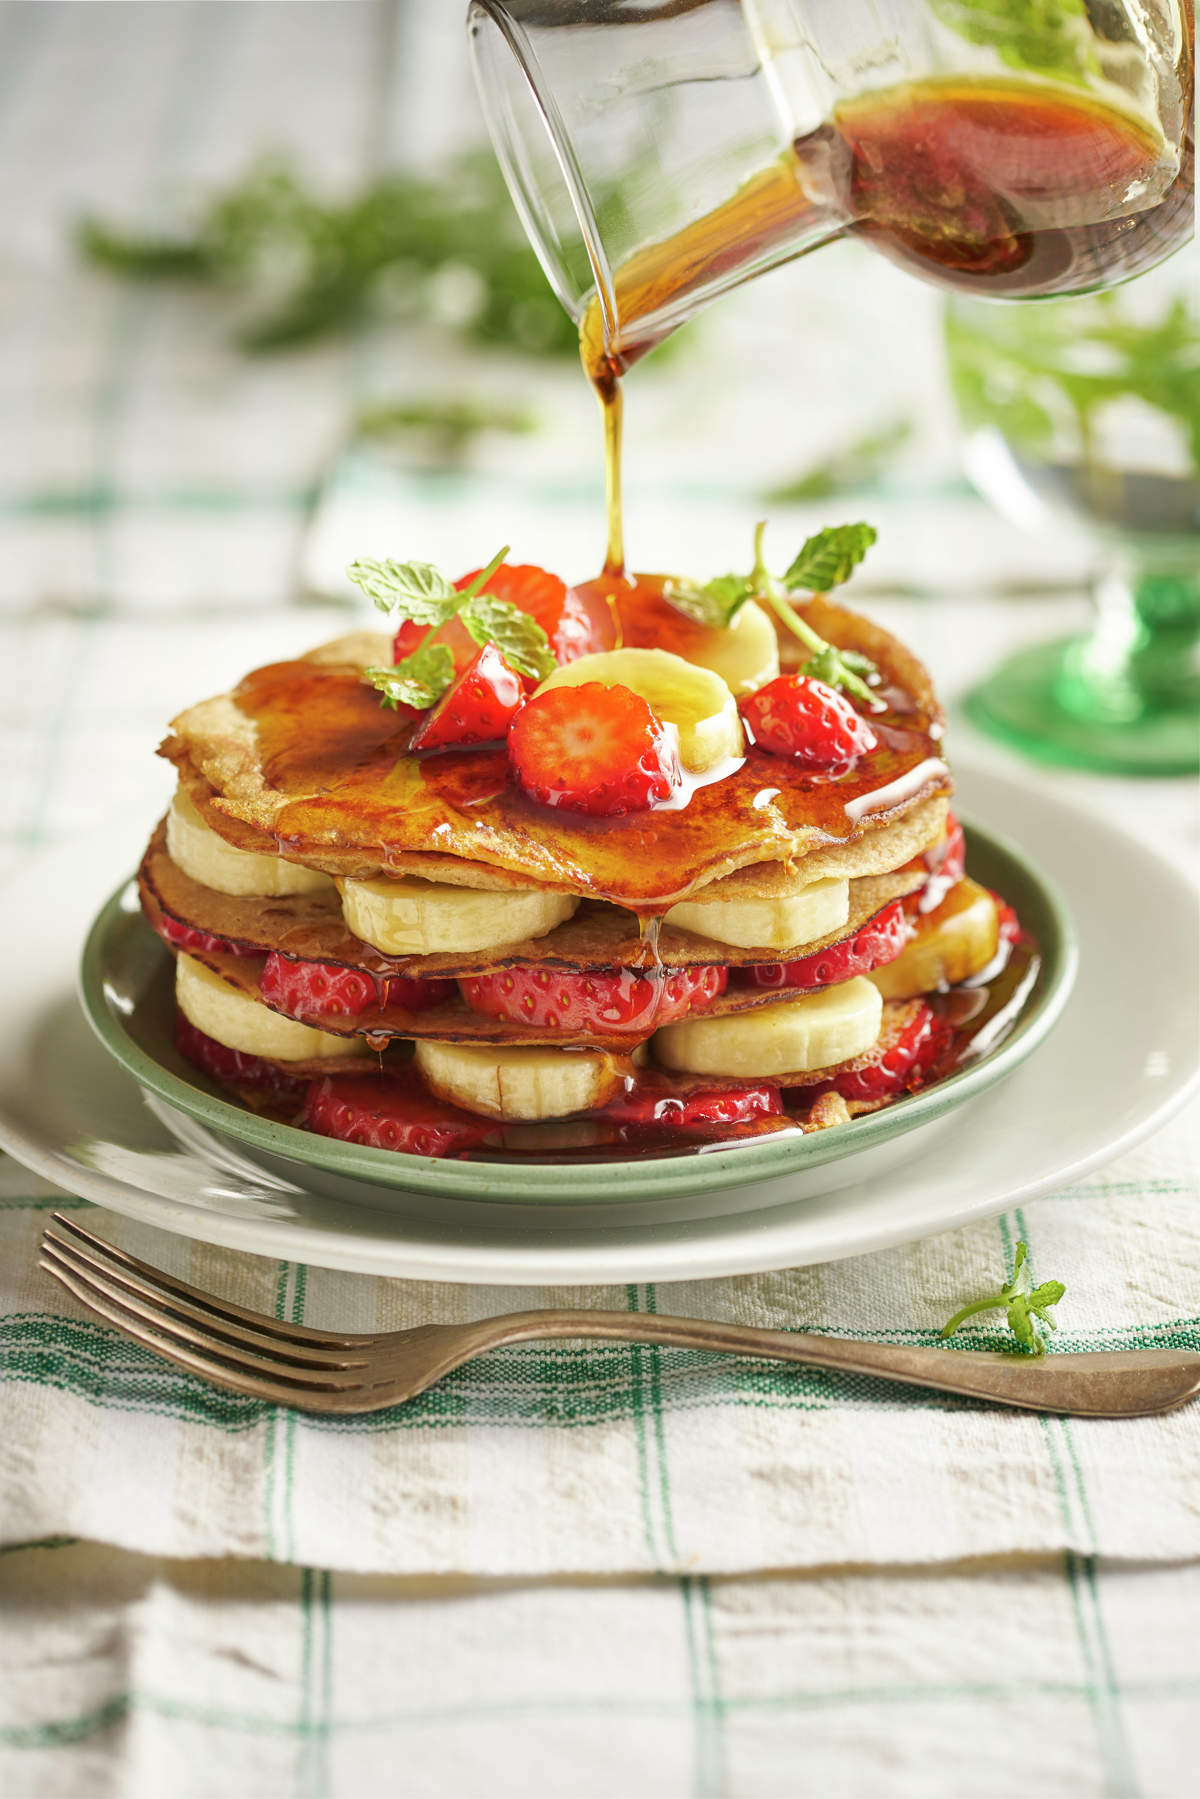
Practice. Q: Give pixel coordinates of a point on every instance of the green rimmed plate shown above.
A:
(127, 996)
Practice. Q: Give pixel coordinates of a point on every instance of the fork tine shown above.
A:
(152, 1301)
(201, 1355)
(210, 1303)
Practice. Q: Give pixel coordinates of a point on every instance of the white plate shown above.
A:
(1120, 1061)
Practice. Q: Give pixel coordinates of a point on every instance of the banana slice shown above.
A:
(789, 922)
(246, 1024)
(953, 942)
(745, 654)
(795, 1036)
(405, 916)
(693, 699)
(517, 1083)
(207, 858)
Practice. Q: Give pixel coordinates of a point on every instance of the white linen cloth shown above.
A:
(571, 1570)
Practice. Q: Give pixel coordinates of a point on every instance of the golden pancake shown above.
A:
(305, 752)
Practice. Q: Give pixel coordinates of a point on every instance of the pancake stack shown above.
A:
(410, 950)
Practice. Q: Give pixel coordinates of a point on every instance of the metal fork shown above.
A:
(321, 1371)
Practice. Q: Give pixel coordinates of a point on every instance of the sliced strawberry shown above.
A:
(573, 628)
(617, 999)
(232, 1066)
(946, 861)
(880, 940)
(593, 749)
(793, 715)
(186, 936)
(327, 990)
(911, 1042)
(478, 708)
(390, 1111)
(949, 857)
(645, 1109)
(1010, 924)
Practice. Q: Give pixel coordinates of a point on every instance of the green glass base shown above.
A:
(1042, 701)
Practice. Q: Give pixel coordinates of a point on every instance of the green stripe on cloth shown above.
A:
(519, 1710)
(556, 1385)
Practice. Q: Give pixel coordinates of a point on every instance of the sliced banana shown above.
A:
(952, 943)
(787, 922)
(745, 654)
(793, 1036)
(237, 1021)
(405, 916)
(195, 848)
(693, 699)
(517, 1083)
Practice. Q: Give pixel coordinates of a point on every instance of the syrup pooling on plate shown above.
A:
(325, 739)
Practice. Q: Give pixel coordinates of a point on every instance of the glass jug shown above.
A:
(662, 151)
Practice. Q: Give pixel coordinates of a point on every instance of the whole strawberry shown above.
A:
(795, 715)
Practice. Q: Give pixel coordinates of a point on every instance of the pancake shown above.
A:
(302, 764)
(304, 752)
(311, 928)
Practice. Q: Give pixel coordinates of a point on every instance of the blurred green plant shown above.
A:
(446, 246)
(857, 464)
(1046, 37)
(1041, 374)
(450, 426)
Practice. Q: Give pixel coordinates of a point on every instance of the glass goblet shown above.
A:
(1089, 409)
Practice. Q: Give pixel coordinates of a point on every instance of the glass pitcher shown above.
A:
(662, 152)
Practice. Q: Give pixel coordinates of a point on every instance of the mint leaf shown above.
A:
(419, 680)
(409, 590)
(1027, 1312)
(518, 637)
(1048, 1294)
(829, 558)
(1021, 1324)
(716, 604)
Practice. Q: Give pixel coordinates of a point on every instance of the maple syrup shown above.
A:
(1013, 188)
(326, 740)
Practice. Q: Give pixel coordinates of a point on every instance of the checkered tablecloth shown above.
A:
(569, 1571)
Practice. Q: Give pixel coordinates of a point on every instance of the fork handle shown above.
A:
(1102, 1384)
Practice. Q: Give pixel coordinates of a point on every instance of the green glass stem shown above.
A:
(1125, 698)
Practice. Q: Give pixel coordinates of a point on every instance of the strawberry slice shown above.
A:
(946, 861)
(910, 1044)
(478, 708)
(571, 626)
(390, 1111)
(327, 990)
(593, 749)
(796, 716)
(880, 940)
(949, 857)
(617, 999)
(644, 1109)
(232, 1066)
(186, 936)
(1010, 925)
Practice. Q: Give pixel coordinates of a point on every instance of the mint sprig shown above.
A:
(1028, 1308)
(418, 680)
(419, 593)
(824, 561)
